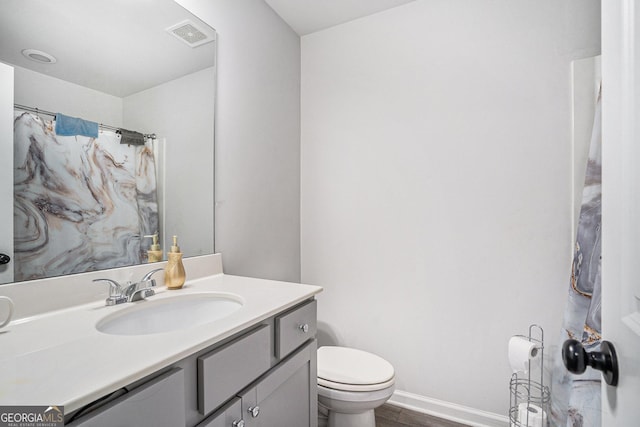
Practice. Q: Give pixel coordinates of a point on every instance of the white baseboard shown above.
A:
(447, 410)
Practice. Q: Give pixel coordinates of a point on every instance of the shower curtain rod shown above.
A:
(49, 113)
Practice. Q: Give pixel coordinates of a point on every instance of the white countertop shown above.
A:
(59, 358)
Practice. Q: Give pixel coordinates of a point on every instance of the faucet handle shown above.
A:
(115, 292)
(149, 274)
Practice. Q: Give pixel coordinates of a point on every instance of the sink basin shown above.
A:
(170, 314)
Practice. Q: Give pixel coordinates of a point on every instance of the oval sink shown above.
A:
(170, 314)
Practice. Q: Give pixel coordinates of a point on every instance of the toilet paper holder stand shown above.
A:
(529, 397)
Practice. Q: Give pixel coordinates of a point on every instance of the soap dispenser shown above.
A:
(174, 274)
(154, 254)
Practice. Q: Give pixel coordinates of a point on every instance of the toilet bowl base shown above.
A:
(349, 409)
(362, 419)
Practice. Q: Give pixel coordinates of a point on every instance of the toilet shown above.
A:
(351, 384)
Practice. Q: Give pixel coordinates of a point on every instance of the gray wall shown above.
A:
(257, 138)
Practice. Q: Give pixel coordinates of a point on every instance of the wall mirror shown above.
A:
(145, 66)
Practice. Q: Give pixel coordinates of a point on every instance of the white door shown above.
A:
(621, 206)
(6, 170)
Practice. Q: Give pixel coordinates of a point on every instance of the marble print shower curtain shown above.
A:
(80, 204)
(575, 400)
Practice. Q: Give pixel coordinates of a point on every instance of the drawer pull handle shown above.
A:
(254, 411)
(304, 328)
(238, 423)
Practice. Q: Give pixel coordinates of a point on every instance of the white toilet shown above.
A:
(351, 384)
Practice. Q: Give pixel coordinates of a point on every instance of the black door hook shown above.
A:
(4, 259)
(576, 360)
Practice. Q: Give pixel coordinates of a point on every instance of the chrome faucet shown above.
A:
(132, 291)
(115, 292)
(142, 289)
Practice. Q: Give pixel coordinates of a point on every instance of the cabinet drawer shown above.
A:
(228, 369)
(157, 403)
(294, 328)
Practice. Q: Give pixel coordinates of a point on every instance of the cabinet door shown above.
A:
(287, 396)
(157, 403)
(228, 416)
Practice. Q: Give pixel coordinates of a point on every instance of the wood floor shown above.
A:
(394, 416)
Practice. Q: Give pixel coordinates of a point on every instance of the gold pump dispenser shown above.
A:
(154, 254)
(174, 274)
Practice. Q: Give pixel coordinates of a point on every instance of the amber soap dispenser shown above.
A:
(174, 274)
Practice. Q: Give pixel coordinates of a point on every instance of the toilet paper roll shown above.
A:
(523, 354)
(530, 415)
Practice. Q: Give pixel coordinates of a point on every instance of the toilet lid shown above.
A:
(350, 366)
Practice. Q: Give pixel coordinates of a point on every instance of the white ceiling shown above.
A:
(117, 47)
(308, 16)
(121, 47)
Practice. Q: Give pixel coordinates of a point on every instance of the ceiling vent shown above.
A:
(191, 34)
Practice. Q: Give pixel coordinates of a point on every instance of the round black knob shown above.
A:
(576, 359)
(4, 259)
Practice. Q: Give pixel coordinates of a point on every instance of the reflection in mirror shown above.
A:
(84, 201)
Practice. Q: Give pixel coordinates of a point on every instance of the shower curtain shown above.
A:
(575, 400)
(80, 203)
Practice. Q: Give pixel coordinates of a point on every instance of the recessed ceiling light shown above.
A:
(39, 56)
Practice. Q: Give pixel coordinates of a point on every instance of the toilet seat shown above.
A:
(349, 369)
(351, 387)
(352, 396)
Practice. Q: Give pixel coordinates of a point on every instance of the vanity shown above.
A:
(252, 364)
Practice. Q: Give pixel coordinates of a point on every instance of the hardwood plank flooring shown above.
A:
(394, 416)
